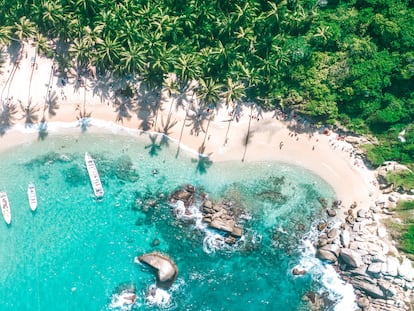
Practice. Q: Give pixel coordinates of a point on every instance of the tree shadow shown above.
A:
(14, 50)
(154, 147)
(29, 114)
(166, 131)
(51, 103)
(101, 86)
(148, 104)
(123, 103)
(84, 118)
(196, 118)
(7, 116)
(203, 161)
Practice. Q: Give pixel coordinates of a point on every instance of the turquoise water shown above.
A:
(74, 252)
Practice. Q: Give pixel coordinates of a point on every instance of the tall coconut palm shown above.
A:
(24, 29)
(234, 93)
(209, 96)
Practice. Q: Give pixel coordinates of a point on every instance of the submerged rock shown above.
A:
(167, 270)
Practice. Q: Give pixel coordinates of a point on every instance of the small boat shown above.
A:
(31, 194)
(5, 207)
(94, 176)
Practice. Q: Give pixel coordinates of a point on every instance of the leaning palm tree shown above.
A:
(209, 96)
(234, 93)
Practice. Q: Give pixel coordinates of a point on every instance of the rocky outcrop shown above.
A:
(358, 246)
(167, 270)
(218, 216)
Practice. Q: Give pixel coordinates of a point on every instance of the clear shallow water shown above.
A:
(74, 251)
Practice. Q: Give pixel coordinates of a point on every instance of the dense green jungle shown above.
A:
(340, 63)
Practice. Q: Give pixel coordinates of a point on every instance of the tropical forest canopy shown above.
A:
(350, 62)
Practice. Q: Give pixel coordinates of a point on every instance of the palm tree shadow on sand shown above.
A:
(166, 131)
(203, 161)
(154, 147)
(148, 105)
(29, 114)
(7, 116)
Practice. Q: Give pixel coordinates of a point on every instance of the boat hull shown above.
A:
(5, 207)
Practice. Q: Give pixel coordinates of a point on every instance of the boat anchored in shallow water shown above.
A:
(94, 176)
(5, 207)
(31, 194)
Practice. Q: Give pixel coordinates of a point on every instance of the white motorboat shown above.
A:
(5, 207)
(94, 176)
(31, 194)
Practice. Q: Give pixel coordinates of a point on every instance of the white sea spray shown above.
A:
(339, 291)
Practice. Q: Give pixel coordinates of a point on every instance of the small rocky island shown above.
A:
(167, 270)
(218, 216)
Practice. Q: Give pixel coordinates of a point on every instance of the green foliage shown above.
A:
(407, 240)
(350, 60)
(403, 178)
(405, 205)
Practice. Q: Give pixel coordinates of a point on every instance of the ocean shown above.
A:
(76, 252)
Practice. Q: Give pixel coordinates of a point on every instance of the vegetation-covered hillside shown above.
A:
(347, 61)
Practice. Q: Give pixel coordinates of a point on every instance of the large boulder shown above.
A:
(351, 257)
(167, 270)
(326, 255)
(369, 289)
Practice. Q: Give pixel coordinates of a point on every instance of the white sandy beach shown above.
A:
(270, 138)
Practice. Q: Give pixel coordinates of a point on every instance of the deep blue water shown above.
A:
(74, 252)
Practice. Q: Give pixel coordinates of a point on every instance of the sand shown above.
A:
(36, 80)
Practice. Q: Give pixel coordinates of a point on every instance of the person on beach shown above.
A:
(281, 145)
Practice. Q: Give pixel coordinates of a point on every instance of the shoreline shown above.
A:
(270, 138)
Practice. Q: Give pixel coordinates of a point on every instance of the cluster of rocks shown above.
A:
(218, 216)
(358, 246)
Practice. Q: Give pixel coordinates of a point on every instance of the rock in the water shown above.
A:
(298, 271)
(333, 248)
(326, 255)
(237, 231)
(224, 225)
(167, 270)
(331, 212)
(351, 257)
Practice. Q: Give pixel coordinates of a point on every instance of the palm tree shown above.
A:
(234, 93)
(5, 35)
(209, 96)
(24, 28)
(132, 59)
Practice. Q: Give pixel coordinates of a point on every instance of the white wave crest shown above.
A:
(325, 275)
